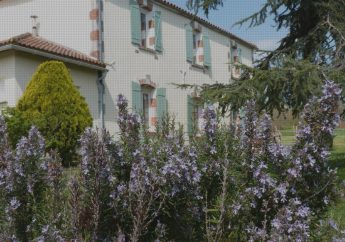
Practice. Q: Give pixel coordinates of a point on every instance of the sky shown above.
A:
(264, 36)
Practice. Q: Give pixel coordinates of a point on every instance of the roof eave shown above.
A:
(12, 46)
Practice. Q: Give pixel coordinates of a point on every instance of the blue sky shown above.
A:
(264, 36)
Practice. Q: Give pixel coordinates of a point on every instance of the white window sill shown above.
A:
(147, 49)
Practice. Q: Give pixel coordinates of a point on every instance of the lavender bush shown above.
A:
(29, 183)
(231, 183)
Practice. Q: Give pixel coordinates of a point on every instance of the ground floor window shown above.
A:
(146, 108)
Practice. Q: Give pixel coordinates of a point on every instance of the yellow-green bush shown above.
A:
(55, 106)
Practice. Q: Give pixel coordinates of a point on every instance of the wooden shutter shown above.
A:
(240, 59)
(242, 114)
(135, 22)
(161, 104)
(189, 43)
(158, 31)
(137, 101)
(207, 49)
(190, 110)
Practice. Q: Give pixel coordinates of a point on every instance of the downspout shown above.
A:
(100, 86)
(101, 74)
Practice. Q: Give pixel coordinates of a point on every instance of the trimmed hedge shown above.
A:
(56, 108)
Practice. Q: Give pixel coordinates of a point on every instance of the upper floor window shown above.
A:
(197, 45)
(145, 25)
(143, 29)
(235, 56)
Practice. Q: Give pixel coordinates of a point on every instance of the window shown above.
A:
(198, 119)
(194, 41)
(146, 106)
(197, 46)
(198, 57)
(195, 119)
(150, 102)
(145, 26)
(143, 29)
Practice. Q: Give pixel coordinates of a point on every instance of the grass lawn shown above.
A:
(337, 160)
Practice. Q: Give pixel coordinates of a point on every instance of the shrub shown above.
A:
(232, 183)
(31, 187)
(17, 124)
(55, 107)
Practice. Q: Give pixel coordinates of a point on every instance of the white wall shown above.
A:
(130, 66)
(18, 68)
(7, 75)
(63, 21)
(67, 22)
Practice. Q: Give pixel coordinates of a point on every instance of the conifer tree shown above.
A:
(56, 108)
(284, 79)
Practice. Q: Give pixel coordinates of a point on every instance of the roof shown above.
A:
(199, 19)
(37, 43)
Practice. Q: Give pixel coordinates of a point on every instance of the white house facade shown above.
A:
(146, 44)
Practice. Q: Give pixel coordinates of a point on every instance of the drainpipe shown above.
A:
(100, 86)
(101, 74)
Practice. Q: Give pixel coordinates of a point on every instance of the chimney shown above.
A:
(34, 25)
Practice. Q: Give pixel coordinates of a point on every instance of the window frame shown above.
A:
(147, 46)
(143, 13)
(198, 37)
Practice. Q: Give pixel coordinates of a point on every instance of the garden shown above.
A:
(233, 183)
(225, 182)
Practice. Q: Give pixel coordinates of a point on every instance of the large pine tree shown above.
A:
(313, 50)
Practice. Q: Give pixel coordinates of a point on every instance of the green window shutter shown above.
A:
(137, 101)
(135, 22)
(190, 108)
(240, 59)
(189, 43)
(161, 104)
(158, 31)
(207, 49)
(242, 114)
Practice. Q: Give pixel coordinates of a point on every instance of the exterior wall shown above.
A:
(21, 66)
(7, 76)
(73, 23)
(66, 22)
(171, 65)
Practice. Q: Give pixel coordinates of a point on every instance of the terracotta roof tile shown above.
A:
(38, 43)
(205, 21)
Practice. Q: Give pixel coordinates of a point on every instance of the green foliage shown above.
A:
(17, 125)
(311, 52)
(54, 105)
(206, 5)
(287, 86)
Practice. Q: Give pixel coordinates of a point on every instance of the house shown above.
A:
(145, 46)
